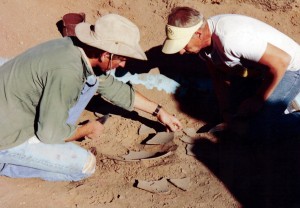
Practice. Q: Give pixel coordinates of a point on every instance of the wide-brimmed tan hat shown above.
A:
(178, 37)
(112, 33)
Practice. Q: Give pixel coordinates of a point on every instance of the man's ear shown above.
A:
(104, 55)
(198, 33)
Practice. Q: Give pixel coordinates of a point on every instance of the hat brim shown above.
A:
(86, 35)
(174, 46)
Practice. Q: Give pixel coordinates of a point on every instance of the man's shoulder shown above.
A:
(225, 17)
(234, 21)
(57, 50)
(52, 55)
(58, 43)
(232, 25)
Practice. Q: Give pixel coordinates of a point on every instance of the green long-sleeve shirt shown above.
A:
(38, 87)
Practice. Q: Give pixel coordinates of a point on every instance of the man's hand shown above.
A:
(142, 103)
(92, 129)
(96, 128)
(171, 122)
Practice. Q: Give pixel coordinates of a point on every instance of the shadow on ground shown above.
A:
(257, 175)
(99, 105)
(195, 95)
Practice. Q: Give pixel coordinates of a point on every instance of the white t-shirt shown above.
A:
(237, 37)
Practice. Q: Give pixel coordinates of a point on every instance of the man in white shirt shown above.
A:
(255, 68)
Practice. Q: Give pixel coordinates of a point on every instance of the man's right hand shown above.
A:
(96, 129)
(93, 129)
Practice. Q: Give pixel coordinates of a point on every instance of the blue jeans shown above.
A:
(272, 122)
(53, 162)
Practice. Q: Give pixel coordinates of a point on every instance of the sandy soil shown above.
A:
(224, 174)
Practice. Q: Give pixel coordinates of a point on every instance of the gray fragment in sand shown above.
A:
(103, 119)
(182, 183)
(189, 148)
(132, 155)
(161, 138)
(217, 128)
(158, 157)
(160, 186)
(190, 132)
(145, 156)
(187, 139)
(145, 130)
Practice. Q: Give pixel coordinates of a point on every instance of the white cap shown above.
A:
(178, 37)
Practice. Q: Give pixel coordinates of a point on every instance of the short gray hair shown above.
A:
(184, 17)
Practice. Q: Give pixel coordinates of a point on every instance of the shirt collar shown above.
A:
(85, 59)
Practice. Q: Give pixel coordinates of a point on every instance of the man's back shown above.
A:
(245, 37)
(30, 86)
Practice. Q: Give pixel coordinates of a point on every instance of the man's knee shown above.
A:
(90, 166)
(1, 167)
